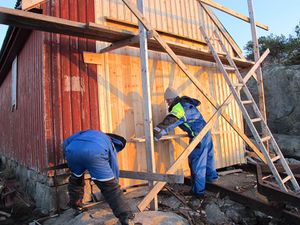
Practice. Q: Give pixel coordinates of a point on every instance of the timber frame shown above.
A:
(150, 39)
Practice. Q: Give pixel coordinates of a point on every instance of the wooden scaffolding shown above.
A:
(149, 38)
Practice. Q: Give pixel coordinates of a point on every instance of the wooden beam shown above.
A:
(28, 4)
(35, 21)
(232, 12)
(222, 29)
(163, 138)
(169, 178)
(148, 121)
(161, 32)
(256, 65)
(260, 82)
(99, 32)
(181, 65)
(123, 43)
(120, 44)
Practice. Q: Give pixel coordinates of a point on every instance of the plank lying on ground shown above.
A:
(223, 173)
(169, 178)
(232, 12)
(94, 31)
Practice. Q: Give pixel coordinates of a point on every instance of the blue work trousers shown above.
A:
(202, 164)
(83, 155)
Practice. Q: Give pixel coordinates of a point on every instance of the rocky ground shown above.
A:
(16, 207)
(176, 206)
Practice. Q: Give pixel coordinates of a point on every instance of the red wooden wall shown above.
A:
(22, 131)
(57, 92)
(71, 95)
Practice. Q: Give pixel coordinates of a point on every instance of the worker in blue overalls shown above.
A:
(96, 152)
(183, 112)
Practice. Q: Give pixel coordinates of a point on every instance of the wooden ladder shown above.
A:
(234, 87)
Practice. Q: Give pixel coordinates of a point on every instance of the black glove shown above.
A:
(157, 132)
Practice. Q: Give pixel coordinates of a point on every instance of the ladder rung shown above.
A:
(264, 139)
(255, 120)
(286, 179)
(247, 102)
(230, 69)
(238, 85)
(275, 158)
(266, 177)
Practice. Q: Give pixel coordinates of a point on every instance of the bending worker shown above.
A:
(96, 152)
(183, 112)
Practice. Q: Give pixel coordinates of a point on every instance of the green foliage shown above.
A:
(284, 50)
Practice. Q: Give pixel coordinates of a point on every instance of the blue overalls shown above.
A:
(93, 151)
(184, 113)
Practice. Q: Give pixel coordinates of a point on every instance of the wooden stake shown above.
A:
(260, 82)
(148, 122)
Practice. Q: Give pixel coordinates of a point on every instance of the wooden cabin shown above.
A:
(53, 84)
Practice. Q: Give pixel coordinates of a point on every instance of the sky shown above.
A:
(281, 17)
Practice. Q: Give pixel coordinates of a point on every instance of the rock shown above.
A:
(105, 217)
(236, 213)
(196, 203)
(170, 201)
(292, 161)
(215, 215)
(282, 93)
(289, 145)
(159, 218)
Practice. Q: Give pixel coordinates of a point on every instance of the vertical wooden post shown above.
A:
(148, 123)
(260, 83)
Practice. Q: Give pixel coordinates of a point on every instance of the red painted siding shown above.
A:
(57, 92)
(22, 131)
(70, 85)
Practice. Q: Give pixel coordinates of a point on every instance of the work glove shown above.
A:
(157, 132)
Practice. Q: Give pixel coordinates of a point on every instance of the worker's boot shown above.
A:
(116, 200)
(76, 190)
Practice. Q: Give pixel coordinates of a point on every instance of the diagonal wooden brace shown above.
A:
(120, 44)
(125, 42)
(256, 65)
(158, 186)
(181, 65)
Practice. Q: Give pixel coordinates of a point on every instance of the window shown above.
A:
(14, 84)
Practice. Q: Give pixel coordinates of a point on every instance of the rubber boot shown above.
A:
(76, 190)
(116, 200)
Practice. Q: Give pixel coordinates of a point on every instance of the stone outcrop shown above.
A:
(282, 93)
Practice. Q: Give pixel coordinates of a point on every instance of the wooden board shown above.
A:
(27, 4)
(232, 13)
(169, 178)
(163, 72)
(97, 32)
